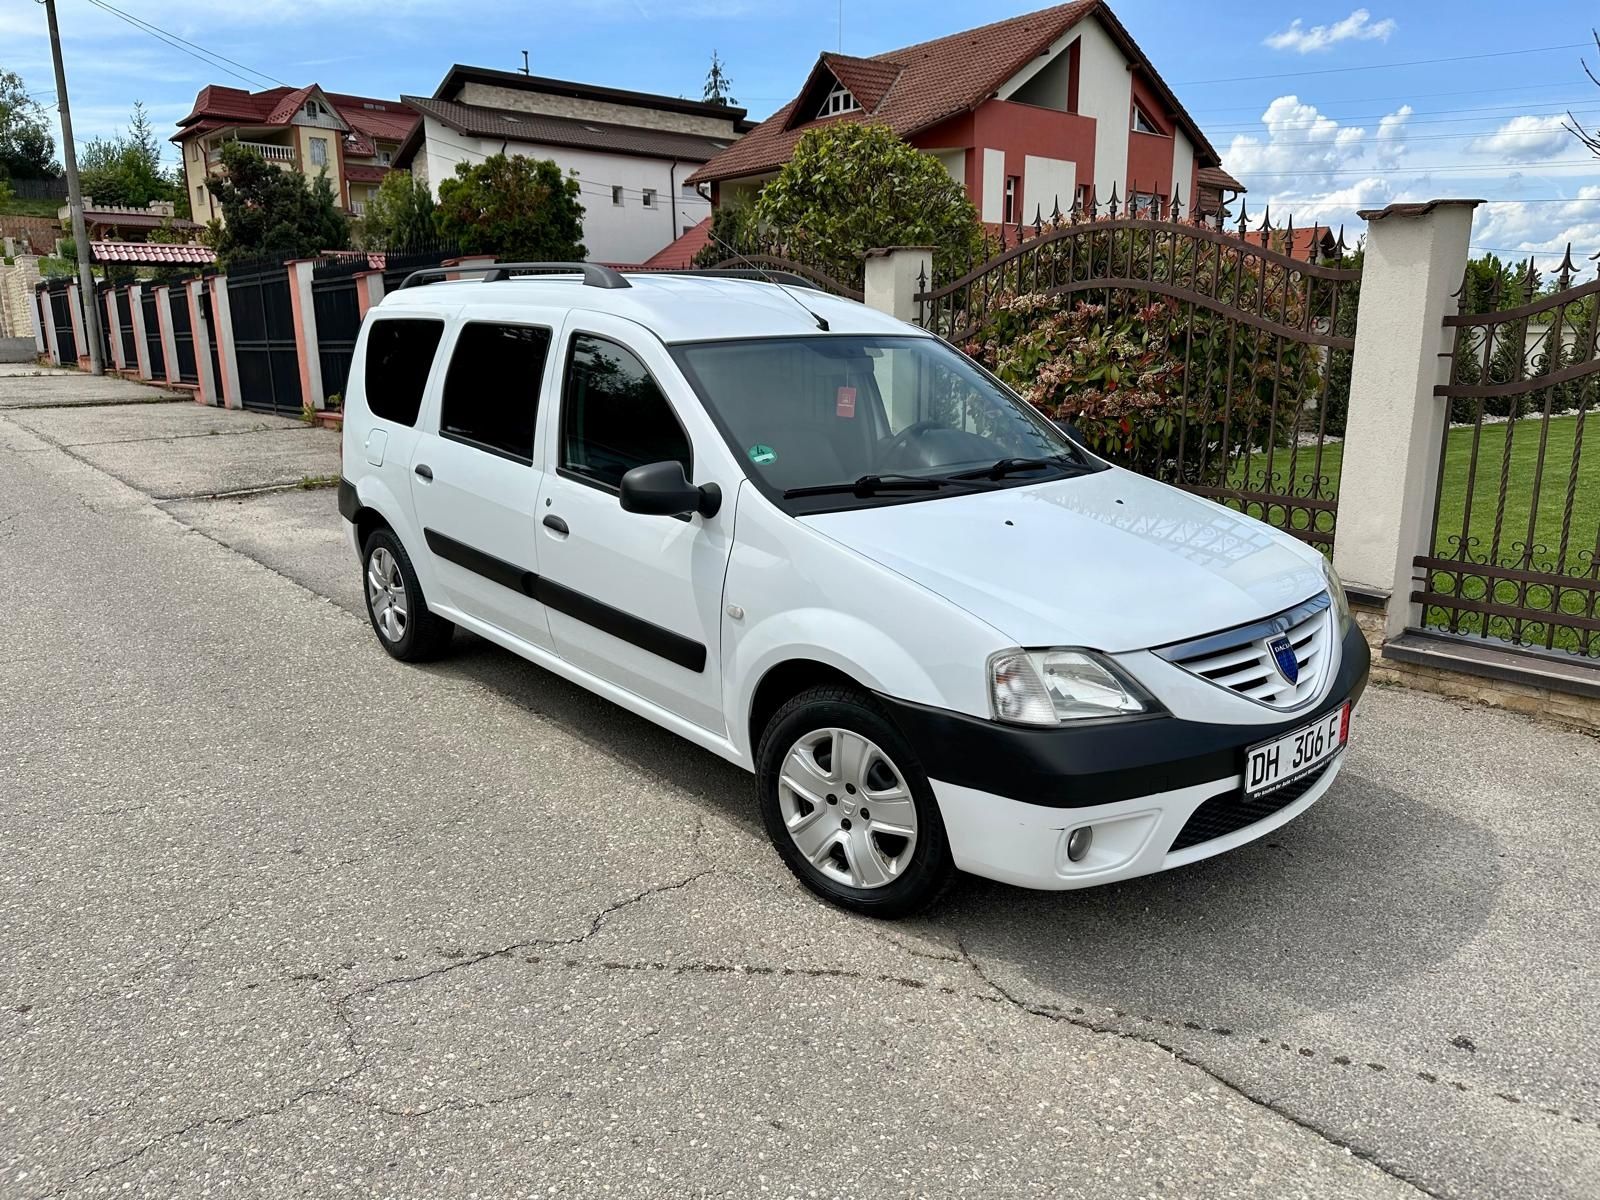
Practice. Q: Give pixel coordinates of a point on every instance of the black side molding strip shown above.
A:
(674, 647)
(349, 502)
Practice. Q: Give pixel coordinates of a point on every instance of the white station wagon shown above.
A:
(828, 547)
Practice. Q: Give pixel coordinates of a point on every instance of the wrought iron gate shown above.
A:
(1516, 523)
(1214, 360)
(263, 337)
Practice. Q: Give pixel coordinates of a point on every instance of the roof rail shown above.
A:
(594, 275)
(761, 274)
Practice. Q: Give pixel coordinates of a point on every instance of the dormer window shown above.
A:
(1142, 123)
(839, 101)
(313, 108)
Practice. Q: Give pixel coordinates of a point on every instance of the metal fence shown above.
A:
(1214, 360)
(130, 345)
(338, 315)
(264, 337)
(39, 189)
(183, 335)
(156, 356)
(1516, 522)
(775, 252)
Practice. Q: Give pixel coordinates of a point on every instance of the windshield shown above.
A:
(885, 418)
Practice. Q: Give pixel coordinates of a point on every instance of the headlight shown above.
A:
(1341, 602)
(1047, 687)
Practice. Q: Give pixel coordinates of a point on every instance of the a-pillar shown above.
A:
(168, 368)
(1416, 257)
(301, 271)
(194, 294)
(222, 331)
(141, 336)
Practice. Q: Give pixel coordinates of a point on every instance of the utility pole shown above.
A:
(89, 302)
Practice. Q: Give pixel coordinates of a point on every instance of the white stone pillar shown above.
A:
(39, 324)
(1416, 256)
(169, 344)
(79, 325)
(141, 341)
(113, 328)
(305, 331)
(228, 385)
(895, 276)
(47, 314)
(194, 296)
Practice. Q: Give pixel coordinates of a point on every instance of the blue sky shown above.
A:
(1300, 100)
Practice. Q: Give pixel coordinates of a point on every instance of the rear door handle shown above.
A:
(556, 525)
(424, 471)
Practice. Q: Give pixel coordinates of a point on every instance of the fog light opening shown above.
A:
(1078, 843)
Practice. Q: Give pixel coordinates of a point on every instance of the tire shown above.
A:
(395, 603)
(826, 759)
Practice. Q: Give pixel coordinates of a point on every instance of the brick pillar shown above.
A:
(141, 339)
(168, 368)
(228, 385)
(369, 290)
(305, 331)
(194, 294)
(75, 307)
(1416, 257)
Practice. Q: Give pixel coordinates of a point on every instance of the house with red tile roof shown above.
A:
(351, 138)
(632, 152)
(1030, 113)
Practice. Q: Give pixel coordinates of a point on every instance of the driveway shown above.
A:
(282, 916)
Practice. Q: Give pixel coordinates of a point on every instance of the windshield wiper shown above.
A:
(1015, 466)
(871, 485)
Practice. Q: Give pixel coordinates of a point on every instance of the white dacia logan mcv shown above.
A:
(828, 547)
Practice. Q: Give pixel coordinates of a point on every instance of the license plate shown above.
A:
(1277, 763)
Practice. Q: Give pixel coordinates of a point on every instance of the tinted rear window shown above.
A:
(399, 356)
(491, 395)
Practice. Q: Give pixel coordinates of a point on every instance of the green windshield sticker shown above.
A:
(762, 455)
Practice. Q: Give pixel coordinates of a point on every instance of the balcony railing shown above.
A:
(266, 150)
(358, 208)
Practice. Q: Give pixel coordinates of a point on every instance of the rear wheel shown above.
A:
(395, 603)
(848, 806)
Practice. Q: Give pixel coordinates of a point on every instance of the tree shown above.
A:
(1590, 139)
(517, 208)
(125, 169)
(731, 231)
(849, 188)
(27, 149)
(718, 84)
(400, 215)
(269, 212)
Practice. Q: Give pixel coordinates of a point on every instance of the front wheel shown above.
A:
(848, 806)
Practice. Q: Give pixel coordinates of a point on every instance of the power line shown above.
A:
(174, 40)
(1415, 62)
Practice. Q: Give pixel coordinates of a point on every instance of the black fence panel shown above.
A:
(338, 315)
(263, 338)
(208, 315)
(130, 347)
(183, 335)
(152, 333)
(61, 319)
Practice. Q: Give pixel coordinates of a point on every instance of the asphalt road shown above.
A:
(279, 916)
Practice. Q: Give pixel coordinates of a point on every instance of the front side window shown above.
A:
(399, 357)
(614, 416)
(491, 395)
(319, 152)
(809, 412)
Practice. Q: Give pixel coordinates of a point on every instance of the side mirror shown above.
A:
(662, 490)
(1071, 430)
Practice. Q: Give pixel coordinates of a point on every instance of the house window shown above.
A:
(649, 197)
(385, 157)
(1148, 204)
(1142, 123)
(839, 101)
(616, 196)
(1013, 188)
(319, 152)
(313, 108)
(1083, 196)
(199, 199)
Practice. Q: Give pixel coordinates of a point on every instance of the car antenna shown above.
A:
(822, 324)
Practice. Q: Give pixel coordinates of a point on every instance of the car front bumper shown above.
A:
(1010, 797)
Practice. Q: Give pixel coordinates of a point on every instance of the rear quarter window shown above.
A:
(399, 356)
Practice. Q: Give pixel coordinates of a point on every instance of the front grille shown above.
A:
(1241, 660)
(1233, 810)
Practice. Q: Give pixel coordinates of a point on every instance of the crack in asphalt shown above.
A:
(1185, 1057)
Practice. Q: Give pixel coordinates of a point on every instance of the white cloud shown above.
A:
(1357, 27)
(1390, 140)
(1526, 139)
(1300, 143)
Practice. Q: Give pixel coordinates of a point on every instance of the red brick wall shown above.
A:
(41, 232)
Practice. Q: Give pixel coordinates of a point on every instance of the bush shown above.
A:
(518, 209)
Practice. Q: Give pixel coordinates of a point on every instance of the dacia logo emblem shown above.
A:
(1283, 655)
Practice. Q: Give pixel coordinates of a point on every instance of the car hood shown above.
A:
(1112, 561)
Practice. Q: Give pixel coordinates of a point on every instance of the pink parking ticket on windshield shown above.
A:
(846, 406)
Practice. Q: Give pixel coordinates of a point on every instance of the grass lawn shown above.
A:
(18, 207)
(1584, 532)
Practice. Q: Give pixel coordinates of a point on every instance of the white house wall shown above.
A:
(629, 233)
(1105, 92)
(994, 186)
(1183, 169)
(1046, 183)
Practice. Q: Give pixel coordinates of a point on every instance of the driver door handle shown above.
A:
(556, 525)
(424, 471)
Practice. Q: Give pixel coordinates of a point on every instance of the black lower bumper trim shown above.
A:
(1103, 762)
(349, 502)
